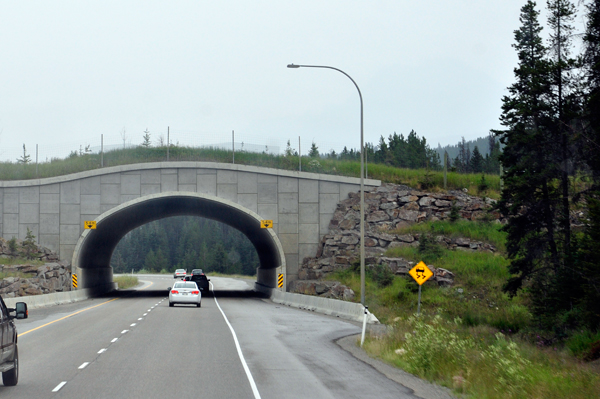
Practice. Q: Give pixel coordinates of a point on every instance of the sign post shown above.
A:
(420, 273)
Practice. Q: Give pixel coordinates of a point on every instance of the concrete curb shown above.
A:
(58, 298)
(332, 307)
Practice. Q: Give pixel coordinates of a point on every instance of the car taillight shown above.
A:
(195, 292)
(174, 292)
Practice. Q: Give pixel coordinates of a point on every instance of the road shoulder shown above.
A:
(421, 388)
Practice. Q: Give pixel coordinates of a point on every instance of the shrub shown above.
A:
(429, 249)
(382, 275)
(12, 245)
(454, 212)
(29, 248)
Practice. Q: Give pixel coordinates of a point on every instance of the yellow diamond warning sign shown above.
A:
(420, 273)
(89, 224)
(266, 224)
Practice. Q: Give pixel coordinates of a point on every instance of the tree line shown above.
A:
(551, 161)
(185, 242)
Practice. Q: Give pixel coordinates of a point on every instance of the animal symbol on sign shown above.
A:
(420, 273)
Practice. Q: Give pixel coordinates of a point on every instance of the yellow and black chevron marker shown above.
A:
(74, 278)
(280, 280)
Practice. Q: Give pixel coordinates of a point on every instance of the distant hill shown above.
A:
(482, 144)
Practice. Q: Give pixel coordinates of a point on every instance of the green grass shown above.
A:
(20, 261)
(126, 281)
(389, 174)
(455, 341)
(479, 231)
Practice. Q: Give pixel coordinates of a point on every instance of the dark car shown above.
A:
(9, 353)
(196, 271)
(201, 280)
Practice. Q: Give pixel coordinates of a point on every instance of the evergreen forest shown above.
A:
(185, 242)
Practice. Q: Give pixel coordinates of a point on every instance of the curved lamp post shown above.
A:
(362, 174)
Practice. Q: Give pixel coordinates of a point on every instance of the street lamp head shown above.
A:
(293, 66)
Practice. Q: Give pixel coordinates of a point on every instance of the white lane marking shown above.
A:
(145, 314)
(239, 351)
(124, 331)
(132, 325)
(59, 386)
(102, 350)
(114, 340)
(141, 318)
(149, 310)
(84, 365)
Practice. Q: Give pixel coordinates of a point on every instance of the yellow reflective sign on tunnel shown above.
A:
(266, 224)
(89, 224)
(420, 273)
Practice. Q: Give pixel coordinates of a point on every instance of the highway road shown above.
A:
(237, 345)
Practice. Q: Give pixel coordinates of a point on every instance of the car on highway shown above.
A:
(9, 352)
(185, 292)
(199, 279)
(196, 271)
(179, 273)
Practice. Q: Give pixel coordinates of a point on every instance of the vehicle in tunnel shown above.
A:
(201, 280)
(9, 352)
(185, 292)
(179, 273)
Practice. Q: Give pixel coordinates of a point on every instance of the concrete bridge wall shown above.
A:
(300, 204)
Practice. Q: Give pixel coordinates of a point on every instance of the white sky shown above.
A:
(73, 70)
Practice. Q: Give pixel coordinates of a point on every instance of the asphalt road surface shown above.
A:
(237, 345)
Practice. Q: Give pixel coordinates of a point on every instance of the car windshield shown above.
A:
(179, 271)
(185, 285)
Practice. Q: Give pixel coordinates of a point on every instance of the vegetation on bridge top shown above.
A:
(342, 166)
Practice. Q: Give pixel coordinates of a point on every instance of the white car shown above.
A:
(186, 292)
(180, 273)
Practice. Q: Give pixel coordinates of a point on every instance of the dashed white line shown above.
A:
(124, 331)
(145, 314)
(84, 365)
(132, 325)
(102, 350)
(59, 386)
(114, 340)
(141, 318)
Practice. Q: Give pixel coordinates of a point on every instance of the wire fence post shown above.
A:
(36, 161)
(233, 145)
(102, 150)
(299, 156)
(168, 145)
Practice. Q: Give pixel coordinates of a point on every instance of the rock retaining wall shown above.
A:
(387, 208)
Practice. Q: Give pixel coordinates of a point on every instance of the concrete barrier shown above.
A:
(58, 298)
(332, 307)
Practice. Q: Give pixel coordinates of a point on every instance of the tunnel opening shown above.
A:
(94, 250)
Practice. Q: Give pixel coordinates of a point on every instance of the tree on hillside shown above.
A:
(146, 143)
(529, 198)
(314, 151)
(590, 152)
(477, 161)
(25, 158)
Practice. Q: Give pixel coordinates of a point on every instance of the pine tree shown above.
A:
(146, 143)
(529, 198)
(314, 151)
(590, 268)
(477, 161)
(26, 158)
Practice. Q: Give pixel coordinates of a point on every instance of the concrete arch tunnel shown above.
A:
(93, 252)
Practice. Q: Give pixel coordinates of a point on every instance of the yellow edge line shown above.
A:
(148, 286)
(66, 317)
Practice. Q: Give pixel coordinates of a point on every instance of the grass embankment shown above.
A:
(389, 174)
(471, 337)
(126, 281)
(17, 261)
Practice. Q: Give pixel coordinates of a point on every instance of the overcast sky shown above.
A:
(74, 70)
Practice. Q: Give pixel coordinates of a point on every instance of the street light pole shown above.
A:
(362, 179)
